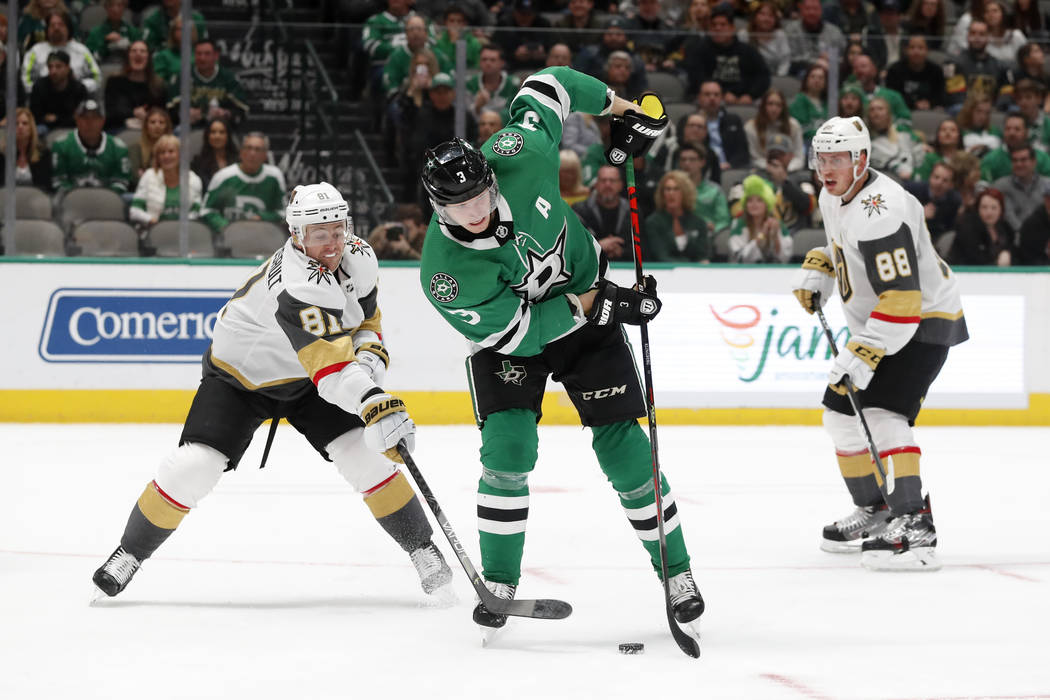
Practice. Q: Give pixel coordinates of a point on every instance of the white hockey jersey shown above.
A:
(294, 321)
(894, 286)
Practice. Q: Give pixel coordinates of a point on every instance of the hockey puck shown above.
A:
(632, 648)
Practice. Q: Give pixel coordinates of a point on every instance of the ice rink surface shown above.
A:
(281, 585)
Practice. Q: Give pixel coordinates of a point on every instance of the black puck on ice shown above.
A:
(632, 648)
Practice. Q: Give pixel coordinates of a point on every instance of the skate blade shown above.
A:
(490, 635)
(917, 559)
(97, 596)
(836, 547)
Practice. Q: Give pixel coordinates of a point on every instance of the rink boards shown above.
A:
(115, 341)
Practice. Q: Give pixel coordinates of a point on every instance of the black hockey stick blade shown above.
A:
(686, 642)
(541, 609)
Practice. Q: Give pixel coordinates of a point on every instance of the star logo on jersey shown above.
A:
(873, 204)
(318, 273)
(512, 374)
(545, 270)
(507, 144)
(444, 287)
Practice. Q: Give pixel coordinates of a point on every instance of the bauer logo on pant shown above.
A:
(444, 287)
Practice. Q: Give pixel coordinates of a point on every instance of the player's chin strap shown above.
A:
(269, 440)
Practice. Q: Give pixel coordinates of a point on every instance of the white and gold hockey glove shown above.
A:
(816, 280)
(859, 361)
(386, 424)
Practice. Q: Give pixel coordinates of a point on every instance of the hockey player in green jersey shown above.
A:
(510, 266)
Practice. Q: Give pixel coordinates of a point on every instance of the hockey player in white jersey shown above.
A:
(903, 310)
(300, 340)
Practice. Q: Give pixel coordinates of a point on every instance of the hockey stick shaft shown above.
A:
(852, 395)
(544, 608)
(686, 643)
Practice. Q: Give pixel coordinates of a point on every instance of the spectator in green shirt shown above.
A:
(155, 26)
(996, 163)
(711, 204)
(111, 39)
(88, 157)
(455, 20)
(674, 232)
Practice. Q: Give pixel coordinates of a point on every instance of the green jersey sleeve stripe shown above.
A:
(508, 338)
(547, 91)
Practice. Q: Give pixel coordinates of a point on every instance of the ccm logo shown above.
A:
(605, 393)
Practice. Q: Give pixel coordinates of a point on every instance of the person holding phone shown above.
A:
(401, 238)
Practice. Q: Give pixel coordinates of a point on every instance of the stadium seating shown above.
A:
(108, 239)
(253, 239)
(39, 238)
(164, 238)
(30, 203)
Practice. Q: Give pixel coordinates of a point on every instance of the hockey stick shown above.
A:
(853, 400)
(685, 642)
(544, 608)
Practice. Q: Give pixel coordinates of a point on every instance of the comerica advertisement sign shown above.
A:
(130, 325)
(713, 349)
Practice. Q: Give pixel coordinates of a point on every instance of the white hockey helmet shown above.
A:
(842, 134)
(316, 204)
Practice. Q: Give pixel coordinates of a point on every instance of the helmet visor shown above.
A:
(827, 163)
(324, 234)
(473, 211)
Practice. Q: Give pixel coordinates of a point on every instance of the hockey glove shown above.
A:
(633, 133)
(373, 358)
(817, 277)
(386, 424)
(858, 361)
(615, 304)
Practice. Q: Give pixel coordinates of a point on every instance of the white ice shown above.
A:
(282, 586)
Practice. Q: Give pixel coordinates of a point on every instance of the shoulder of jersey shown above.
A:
(360, 260)
(881, 208)
(309, 282)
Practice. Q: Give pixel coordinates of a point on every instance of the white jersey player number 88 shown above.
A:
(903, 311)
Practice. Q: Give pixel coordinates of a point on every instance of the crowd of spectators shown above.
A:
(99, 107)
(955, 95)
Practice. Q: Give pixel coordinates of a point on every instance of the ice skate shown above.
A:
(686, 601)
(847, 534)
(908, 544)
(489, 622)
(113, 577)
(434, 574)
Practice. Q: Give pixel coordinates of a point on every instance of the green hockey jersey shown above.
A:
(73, 165)
(505, 287)
(234, 194)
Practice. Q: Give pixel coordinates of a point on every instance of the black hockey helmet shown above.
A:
(454, 172)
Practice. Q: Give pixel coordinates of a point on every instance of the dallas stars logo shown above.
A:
(874, 204)
(512, 374)
(546, 270)
(317, 273)
(507, 144)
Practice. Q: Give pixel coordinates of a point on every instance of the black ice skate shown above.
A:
(908, 544)
(686, 601)
(434, 573)
(489, 621)
(113, 577)
(847, 534)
